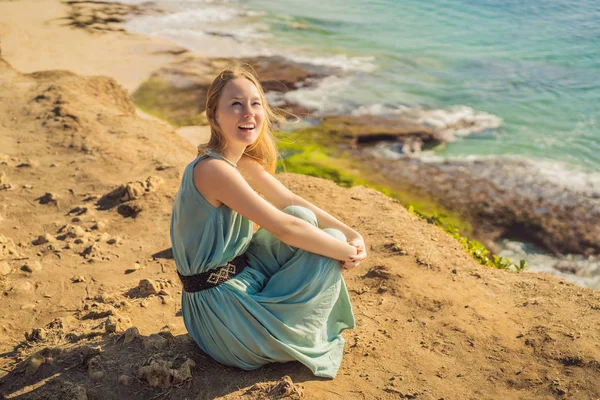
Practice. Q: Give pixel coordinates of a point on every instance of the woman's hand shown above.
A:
(361, 253)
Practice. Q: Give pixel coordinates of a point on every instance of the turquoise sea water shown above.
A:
(535, 65)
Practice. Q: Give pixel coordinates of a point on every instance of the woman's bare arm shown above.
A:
(280, 196)
(217, 180)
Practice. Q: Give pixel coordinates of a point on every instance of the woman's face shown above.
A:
(240, 113)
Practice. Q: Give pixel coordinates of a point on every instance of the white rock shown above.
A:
(5, 269)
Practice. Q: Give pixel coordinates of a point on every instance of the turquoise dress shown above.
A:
(287, 305)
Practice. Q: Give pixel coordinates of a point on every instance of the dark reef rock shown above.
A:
(506, 199)
(177, 93)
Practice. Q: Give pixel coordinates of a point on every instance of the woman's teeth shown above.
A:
(248, 126)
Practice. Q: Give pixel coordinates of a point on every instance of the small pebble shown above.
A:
(20, 288)
(100, 226)
(48, 198)
(125, 380)
(33, 364)
(4, 268)
(32, 267)
(155, 342)
(148, 287)
(94, 371)
(131, 334)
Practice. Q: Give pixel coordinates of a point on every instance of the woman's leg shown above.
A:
(304, 305)
(267, 253)
(291, 270)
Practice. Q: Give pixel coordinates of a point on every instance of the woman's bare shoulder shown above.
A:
(209, 164)
(220, 183)
(209, 173)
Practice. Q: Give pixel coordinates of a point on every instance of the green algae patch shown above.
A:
(304, 152)
(178, 105)
(310, 152)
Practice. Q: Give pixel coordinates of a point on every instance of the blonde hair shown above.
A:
(264, 149)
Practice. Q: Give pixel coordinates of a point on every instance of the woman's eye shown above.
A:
(256, 103)
(235, 103)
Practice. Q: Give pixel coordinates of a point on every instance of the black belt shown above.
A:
(213, 277)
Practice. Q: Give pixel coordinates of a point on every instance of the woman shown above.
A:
(274, 296)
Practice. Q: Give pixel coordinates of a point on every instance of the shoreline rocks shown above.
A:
(105, 16)
(418, 287)
(504, 200)
(177, 93)
(483, 192)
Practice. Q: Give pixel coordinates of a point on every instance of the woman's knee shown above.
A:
(302, 213)
(336, 233)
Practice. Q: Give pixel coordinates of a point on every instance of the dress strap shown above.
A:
(212, 154)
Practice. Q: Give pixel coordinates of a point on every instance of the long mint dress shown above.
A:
(288, 304)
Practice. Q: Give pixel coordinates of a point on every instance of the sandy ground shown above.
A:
(195, 134)
(35, 36)
(90, 299)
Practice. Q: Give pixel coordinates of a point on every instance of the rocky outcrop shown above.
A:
(100, 16)
(409, 128)
(506, 198)
(368, 129)
(177, 93)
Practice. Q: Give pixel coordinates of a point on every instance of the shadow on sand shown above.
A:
(95, 369)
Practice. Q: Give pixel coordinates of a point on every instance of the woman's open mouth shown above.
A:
(246, 127)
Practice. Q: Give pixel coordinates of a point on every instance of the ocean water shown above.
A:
(528, 73)
(535, 65)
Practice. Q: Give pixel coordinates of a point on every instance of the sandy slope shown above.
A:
(431, 322)
(34, 36)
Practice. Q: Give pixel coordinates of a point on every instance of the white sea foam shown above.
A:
(252, 13)
(185, 19)
(448, 123)
(341, 61)
(568, 177)
(275, 99)
(391, 151)
(378, 109)
(203, 31)
(208, 44)
(324, 97)
(581, 270)
(555, 178)
(456, 121)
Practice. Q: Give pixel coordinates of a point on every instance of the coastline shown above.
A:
(158, 62)
(38, 37)
(95, 292)
(43, 28)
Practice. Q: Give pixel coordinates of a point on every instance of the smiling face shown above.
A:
(240, 113)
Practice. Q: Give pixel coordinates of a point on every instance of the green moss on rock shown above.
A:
(306, 152)
(180, 106)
